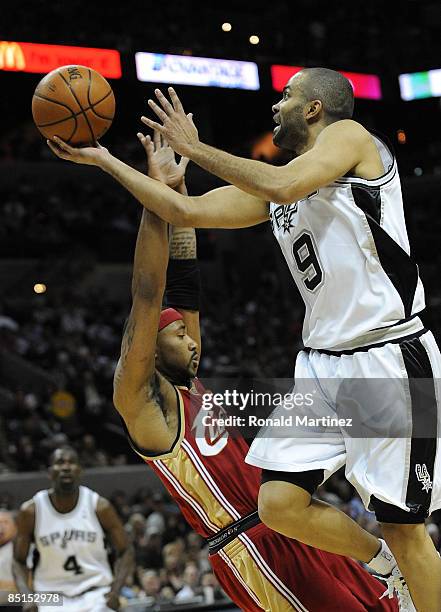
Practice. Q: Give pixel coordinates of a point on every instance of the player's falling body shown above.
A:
(160, 400)
(67, 525)
(343, 217)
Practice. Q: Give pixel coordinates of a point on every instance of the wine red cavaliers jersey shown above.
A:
(205, 471)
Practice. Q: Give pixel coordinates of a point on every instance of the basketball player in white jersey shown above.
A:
(68, 525)
(8, 531)
(337, 212)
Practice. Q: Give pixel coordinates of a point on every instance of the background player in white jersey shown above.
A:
(68, 525)
(8, 531)
(342, 223)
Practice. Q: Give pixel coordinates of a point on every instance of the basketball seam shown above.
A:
(73, 115)
(78, 102)
(55, 102)
(92, 105)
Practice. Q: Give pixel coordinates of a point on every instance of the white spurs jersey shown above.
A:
(72, 554)
(347, 248)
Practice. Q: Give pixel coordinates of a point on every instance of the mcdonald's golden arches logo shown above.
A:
(11, 56)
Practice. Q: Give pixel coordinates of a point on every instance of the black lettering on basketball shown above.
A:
(74, 73)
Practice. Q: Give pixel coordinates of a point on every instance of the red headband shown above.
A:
(169, 315)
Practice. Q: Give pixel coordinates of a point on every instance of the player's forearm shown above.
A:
(254, 177)
(21, 576)
(153, 195)
(123, 566)
(151, 256)
(183, 243)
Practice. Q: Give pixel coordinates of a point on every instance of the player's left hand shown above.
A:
(112, 600)
(90, 156)
(177, 127)
(161, 160)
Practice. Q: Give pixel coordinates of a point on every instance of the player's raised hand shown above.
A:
(90, 156)
(177, 127)
(161, 160)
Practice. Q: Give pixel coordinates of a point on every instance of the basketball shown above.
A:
(74, 103)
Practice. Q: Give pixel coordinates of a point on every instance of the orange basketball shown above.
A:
(74, 103)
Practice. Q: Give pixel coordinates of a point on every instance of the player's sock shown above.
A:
(384, 562)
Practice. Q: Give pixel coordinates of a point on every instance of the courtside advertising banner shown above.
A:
(41, 59)
(202, 71)
(366, 86)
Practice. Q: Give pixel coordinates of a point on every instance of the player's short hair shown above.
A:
(332, 89)
(65, 447)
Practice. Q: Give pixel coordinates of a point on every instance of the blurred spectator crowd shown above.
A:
(171, 561)
(299, 32)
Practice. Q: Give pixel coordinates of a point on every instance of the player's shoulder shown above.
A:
(26, 515)
(345, 129)
(28, 507)
(103, 504)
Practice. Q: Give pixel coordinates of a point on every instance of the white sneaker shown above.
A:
(396, 584)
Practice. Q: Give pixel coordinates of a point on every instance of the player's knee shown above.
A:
(281, 501)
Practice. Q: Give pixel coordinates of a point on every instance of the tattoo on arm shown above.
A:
(154, 393)
(129, 332)
(183, 243)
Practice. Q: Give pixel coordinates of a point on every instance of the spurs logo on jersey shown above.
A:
(282, 217)
(61, 539)
(348, 252)
(72, 557)
(423, 476)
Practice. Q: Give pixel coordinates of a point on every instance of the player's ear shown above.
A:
(313, 109)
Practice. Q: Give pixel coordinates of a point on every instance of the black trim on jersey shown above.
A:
(368, 198)
(406, 320)
(424, 418)
(388, 145)
(398, 265)
(144, 451)
(363, 349)
(356, 180)
(232, 531)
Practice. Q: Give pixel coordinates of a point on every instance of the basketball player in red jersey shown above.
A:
(160, 400)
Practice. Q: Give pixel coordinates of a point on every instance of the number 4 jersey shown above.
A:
(347, 248)
(71, 550)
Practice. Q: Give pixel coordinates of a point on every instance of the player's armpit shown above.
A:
(225, 208)
(339, 149)
(153, 419)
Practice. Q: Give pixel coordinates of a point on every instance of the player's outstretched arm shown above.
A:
(234, 209)
(145, 400)
(22, 542)
(339, 148)
(125, 557)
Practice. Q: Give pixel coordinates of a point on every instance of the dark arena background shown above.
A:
(68, 232)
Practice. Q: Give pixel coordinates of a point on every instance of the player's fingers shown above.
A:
(164, 102)
(55, 149)
(190, 116)
(164, 141)
(157, 110)
(157, 139)
(146, 142)
(152, 124)
(177, 105)
(184, 162)
(63, 145)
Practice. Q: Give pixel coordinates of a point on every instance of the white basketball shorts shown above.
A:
(390, 393)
